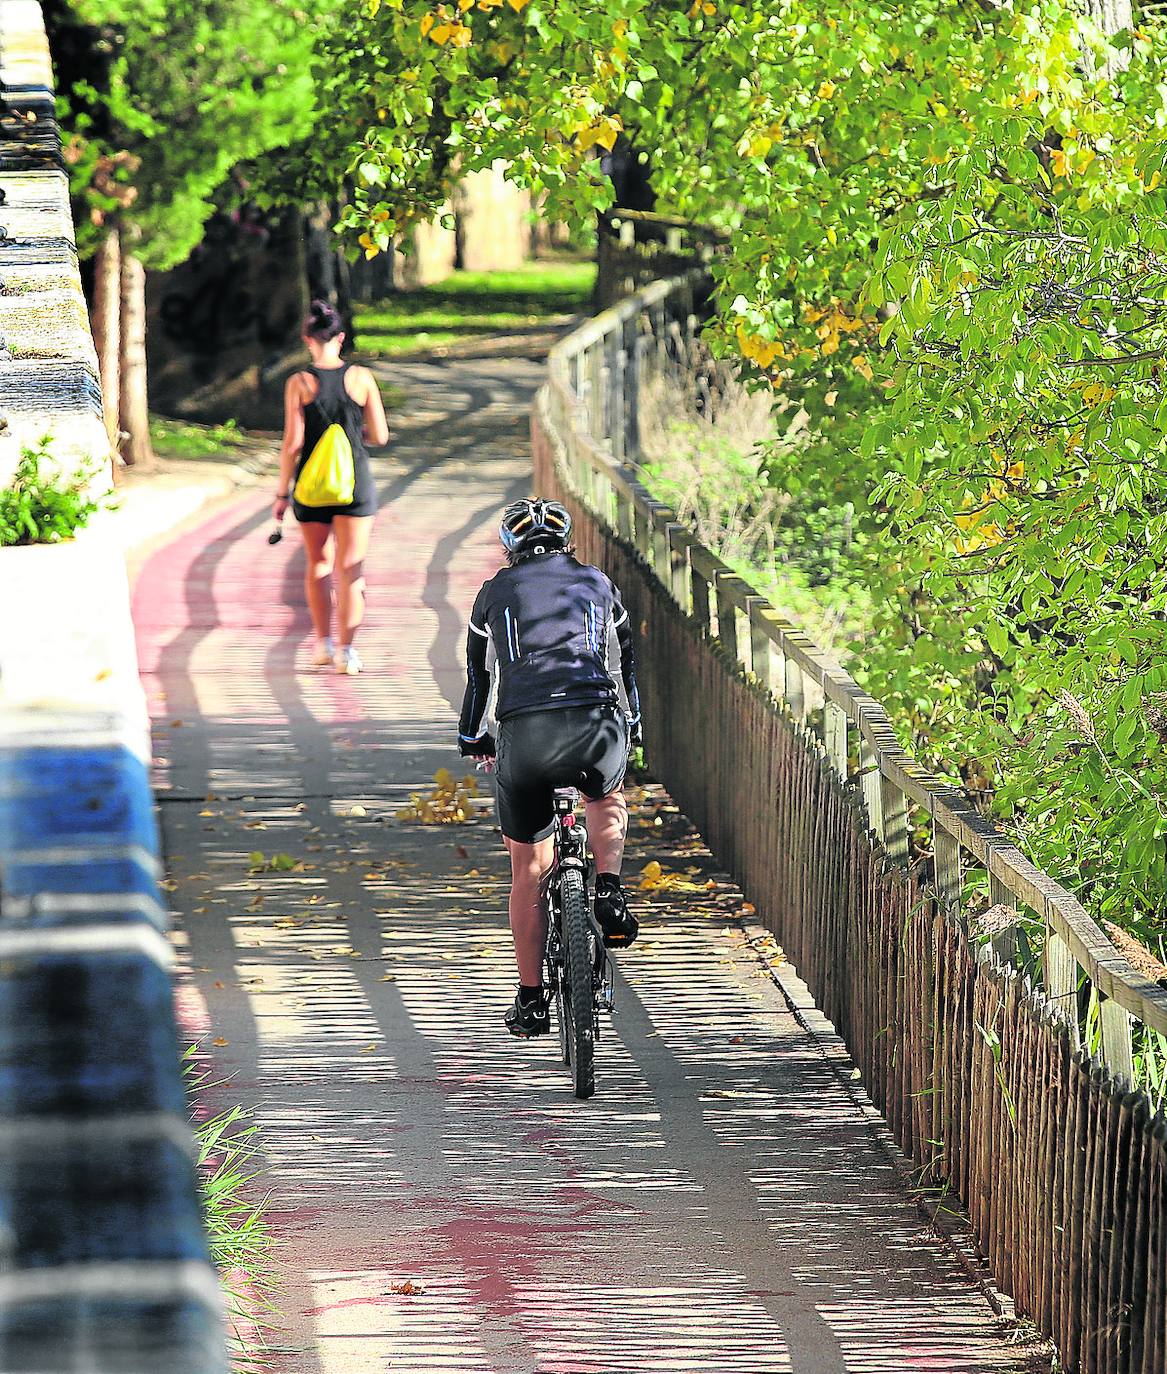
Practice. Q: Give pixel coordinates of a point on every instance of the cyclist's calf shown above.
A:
(530, 864)
(607, 821)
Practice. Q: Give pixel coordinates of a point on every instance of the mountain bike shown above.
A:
(578, 974)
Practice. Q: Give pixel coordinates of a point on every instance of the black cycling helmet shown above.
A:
(534, 521)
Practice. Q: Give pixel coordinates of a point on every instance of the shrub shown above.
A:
(41, 505)
(705, 450)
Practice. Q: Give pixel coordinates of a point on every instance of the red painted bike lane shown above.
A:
(440, 1201)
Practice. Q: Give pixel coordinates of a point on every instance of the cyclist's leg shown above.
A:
(526, 817)
(603, 787)
(607, 813)
(318, 560)
(528, 915)
(608, 829)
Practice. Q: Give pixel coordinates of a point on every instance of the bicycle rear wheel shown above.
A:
(576, 994)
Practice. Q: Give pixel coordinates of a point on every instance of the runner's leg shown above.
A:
(529, 862)
(318, 550)
(352, 543)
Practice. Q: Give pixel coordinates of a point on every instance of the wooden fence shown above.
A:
(1006, 1067)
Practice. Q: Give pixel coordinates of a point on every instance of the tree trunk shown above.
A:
(107, 297)
(134, 400)
(1113, 16)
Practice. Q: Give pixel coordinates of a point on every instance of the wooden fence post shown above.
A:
(699, 590)
(727, 611)
(792, 687)
(947, 867)
(1117, 1046)
(679, 540)
(618, 417)
(835, 733)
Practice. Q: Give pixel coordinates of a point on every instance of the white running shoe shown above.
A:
(348, 661)
(325, 653)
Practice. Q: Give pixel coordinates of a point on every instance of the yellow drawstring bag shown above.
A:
(328, 476)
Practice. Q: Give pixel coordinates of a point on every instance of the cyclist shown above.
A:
(560, 724)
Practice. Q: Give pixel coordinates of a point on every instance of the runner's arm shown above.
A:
(376, 425)
(292, 442)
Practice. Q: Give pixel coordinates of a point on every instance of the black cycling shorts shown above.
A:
(576, 746)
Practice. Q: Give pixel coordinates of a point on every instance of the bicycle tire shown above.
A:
(577, 995)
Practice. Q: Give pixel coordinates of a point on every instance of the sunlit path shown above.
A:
(441, 1201)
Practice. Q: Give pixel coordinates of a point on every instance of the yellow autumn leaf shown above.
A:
(620, 27)
(460, 36)
(427, 23)
(517, 5)
(827, 90)
(603, 134)
(862, 366)
(756, 144)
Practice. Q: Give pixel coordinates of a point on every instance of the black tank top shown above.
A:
(332, 405)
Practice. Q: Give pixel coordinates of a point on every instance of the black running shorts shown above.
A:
(578, 746)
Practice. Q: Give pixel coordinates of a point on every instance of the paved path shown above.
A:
(441, 1202)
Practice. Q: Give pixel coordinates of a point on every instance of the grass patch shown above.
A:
(473, 305)
(182, 439)
(240, 1243)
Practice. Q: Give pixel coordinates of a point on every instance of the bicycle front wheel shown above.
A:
(576, 994)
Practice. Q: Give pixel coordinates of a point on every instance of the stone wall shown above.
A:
(104, 1255)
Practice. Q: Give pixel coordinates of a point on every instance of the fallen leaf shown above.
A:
(218, 1040)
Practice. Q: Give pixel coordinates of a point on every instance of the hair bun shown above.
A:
(323, 321)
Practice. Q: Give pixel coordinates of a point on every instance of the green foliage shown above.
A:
(949, 245)
(184, 439)
(40, 505)
(188, 89)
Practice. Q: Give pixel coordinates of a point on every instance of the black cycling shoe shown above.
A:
(619, 925)
(528, 1019)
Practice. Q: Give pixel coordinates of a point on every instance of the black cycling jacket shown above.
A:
(548, 618)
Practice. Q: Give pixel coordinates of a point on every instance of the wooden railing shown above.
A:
(636, 248)
(592, 392)
(986, 1047)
